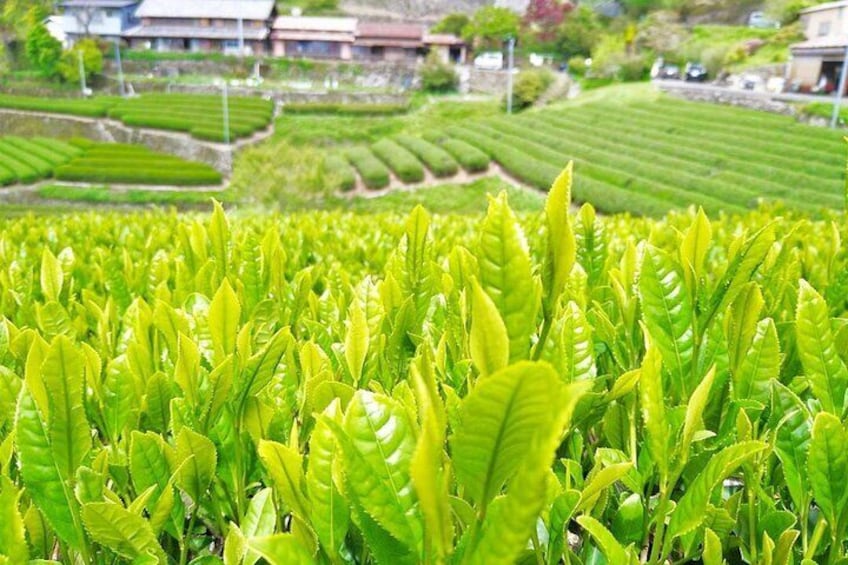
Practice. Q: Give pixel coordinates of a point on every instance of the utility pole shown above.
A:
(834, 120)
(121, 87)
(81, 73)
(510, 64)
(226, 115)
(241, 36)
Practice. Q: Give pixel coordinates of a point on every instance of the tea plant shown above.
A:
(328, 388)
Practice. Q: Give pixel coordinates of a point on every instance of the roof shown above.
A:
(98, 3)
(392, 31)
(307, 23)
(442, 39)
(194, 32)
(824, 43)
(827, 6)
(212, 9)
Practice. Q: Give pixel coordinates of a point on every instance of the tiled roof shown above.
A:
(98, 3)
(824, 42)
(442, 39)
(212, 9)
(307, 23)
(827, 6)
(196, 32)
(395, 31)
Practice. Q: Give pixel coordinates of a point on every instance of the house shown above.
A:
(389, 42)
(817, 61)
(228, 26)
(450, 48)
(107, 19)
(313, 37)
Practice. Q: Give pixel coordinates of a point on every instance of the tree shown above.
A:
(453, 24)
(579, 33)
(92, 60)
(43, 50)
(543, 17)
(490, 25)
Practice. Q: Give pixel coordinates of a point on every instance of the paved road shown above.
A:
(781, 97)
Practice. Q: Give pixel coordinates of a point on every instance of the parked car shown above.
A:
(669, 72)
(760, 20)
(489, 61)
(695, 72)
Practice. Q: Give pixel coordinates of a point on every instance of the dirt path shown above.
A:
(461, 178)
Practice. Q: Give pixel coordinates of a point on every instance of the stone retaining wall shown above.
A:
(30, 124)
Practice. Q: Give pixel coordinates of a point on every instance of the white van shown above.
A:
(489, 61)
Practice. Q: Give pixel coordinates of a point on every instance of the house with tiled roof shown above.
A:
(227, 26)
(106, 19)
(817, 61)
(313, 37)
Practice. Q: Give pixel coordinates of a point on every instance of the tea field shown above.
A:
(325, 387)
(200, 115)
(81, 160)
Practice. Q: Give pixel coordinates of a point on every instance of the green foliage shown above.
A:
(374, 173)
(92, 60)
(345, 109)
(452, 23)
(437, 76)
(579, 33)
(491, 25)
(400, 160)
(283, 175)
(439, 161)
(529, 87)
(43, 51)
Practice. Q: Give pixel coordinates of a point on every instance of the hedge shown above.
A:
(57, 146)
(37, 150)
(42, 167)
(341, 170)
(153, 175)
(403, 163)
(472, 159)
(374, 173)
(540, 174)
(345, 109)
(6, 176)
(93, 107)
(439, 161)
(22, 171)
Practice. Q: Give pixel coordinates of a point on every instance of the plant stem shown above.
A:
(543, 337)
(752, 518)
(186, 538)
(818, 533)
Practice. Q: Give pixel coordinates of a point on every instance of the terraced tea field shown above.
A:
(645, 156)
(649, 157)
(201, 116)
(26, 161)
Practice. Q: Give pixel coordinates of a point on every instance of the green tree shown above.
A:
(43, 50)
(452, 23)
(92, 60)
(490, 25)
(579, 33)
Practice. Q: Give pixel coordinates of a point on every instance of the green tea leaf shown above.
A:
(489, 340)
(760, 365)
(826, 371)
(224, 320)
(506, 276)
(197, 458)
(281, 549)
(827, 466)
(561, 249)
(125, 533)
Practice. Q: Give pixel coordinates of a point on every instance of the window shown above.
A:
(824, 28)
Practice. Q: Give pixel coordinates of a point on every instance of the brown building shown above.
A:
(227, 26)
(313, 37)
(817, 61)
(389, 42)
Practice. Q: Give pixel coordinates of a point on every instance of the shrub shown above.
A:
(92, 60)
(345, 109)
(43, 51)
(374, 173)
(341, 171)
(437, 76)
(529, 87)
(439, 161)
(403, 163)
(142, 175)
(94, 107)
(577, 65)
(472, 159)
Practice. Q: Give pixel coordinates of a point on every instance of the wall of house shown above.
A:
(806, 70)
(103, 22)
(825, 23)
